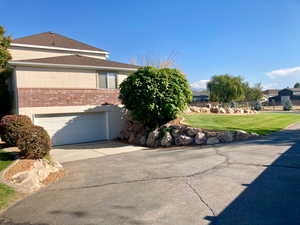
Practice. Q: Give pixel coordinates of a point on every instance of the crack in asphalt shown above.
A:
(201, 199)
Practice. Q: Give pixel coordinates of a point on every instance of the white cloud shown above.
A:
(285, 73)
(201, 84)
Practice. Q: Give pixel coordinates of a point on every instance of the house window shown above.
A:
(107, 80)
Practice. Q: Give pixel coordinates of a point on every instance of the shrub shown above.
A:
(11, 128)
(287, 105)
(155, 96)
(34, 143)
(258, 106)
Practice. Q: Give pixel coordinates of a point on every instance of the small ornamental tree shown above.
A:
(155, 96)
(287, 105)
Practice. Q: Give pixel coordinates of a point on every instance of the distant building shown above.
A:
(200, 96)
(271, 92)
(292, 94)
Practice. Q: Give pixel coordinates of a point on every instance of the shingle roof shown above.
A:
(79, 61)
(51, 39)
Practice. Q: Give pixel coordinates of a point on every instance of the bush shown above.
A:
(258, 106)
(11, 128)
(155, 96)
(34, 143)
(287, 105)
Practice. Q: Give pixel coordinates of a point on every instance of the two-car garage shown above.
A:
(71, 128)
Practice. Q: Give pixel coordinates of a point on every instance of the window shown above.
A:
(107, 80)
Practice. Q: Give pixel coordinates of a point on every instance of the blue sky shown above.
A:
(259, 40)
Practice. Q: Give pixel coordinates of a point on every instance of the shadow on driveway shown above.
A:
(274, 196)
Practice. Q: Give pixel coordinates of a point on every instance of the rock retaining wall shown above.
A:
(178, 135)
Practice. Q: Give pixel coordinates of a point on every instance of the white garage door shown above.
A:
(74, 128)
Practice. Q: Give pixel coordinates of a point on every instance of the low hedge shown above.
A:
(12, 126)
(34, 143)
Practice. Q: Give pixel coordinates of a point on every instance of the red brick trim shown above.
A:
(46, 97)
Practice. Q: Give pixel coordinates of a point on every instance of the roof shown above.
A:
(51, 39)
(74, 61)
(271, 91)
(291, 89)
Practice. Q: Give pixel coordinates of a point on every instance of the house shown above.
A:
(292, 94)
(270, 92)
(200, 96)
(68, 87)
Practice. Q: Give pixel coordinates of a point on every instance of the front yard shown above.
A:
(7, 194)
(262, 123)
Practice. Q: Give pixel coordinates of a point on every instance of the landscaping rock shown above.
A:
(152, 138)
(229, 110)
(142, 140)
(176, 131)
(167, 140)
(200, 138)
(195, 109)
(227, 136)
(205, 110)
(241, 135)
(214, 109)
(212, 141)
(183, 140)
(222, 110)
(191, 131)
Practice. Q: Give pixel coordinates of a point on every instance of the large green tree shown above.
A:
(155, 96)
(254, 93)
(297, 85)
(226, 88)
(5, 72)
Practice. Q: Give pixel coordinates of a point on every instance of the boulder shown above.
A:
(142, 140)
(183, 140)
(152, 138)
(212, 140)
(176, 131)
(214, 109)
(227, 136)
(200, 138)
(241, 135)
(191, 131)
(167, 140)
(205, 110)
(222, 110)
(229, 110)
(195, 109)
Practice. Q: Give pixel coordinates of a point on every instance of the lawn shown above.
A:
(261, 123)
(7, 194)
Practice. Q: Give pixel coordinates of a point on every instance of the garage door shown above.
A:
(74, 128)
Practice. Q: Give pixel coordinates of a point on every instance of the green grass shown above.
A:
(261, 123)
(7, 194)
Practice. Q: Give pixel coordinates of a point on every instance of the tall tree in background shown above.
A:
(226, 88)
(253, 93)
(297, 85)
(148, 60)
(5, 72)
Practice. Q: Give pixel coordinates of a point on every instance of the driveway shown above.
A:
(69, 153)
(253, 182)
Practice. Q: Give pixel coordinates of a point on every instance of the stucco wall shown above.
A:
(29, 77)
(21, 53)
(121, 78)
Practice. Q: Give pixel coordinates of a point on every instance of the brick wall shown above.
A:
(43, 97)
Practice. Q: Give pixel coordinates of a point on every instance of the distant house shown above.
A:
(271, 92)
(292, 94)
(200, 96)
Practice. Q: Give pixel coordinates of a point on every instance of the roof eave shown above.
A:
(87, 67)
(58, 48)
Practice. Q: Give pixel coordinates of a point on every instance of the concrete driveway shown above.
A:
(69, 153)
(253, 182)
